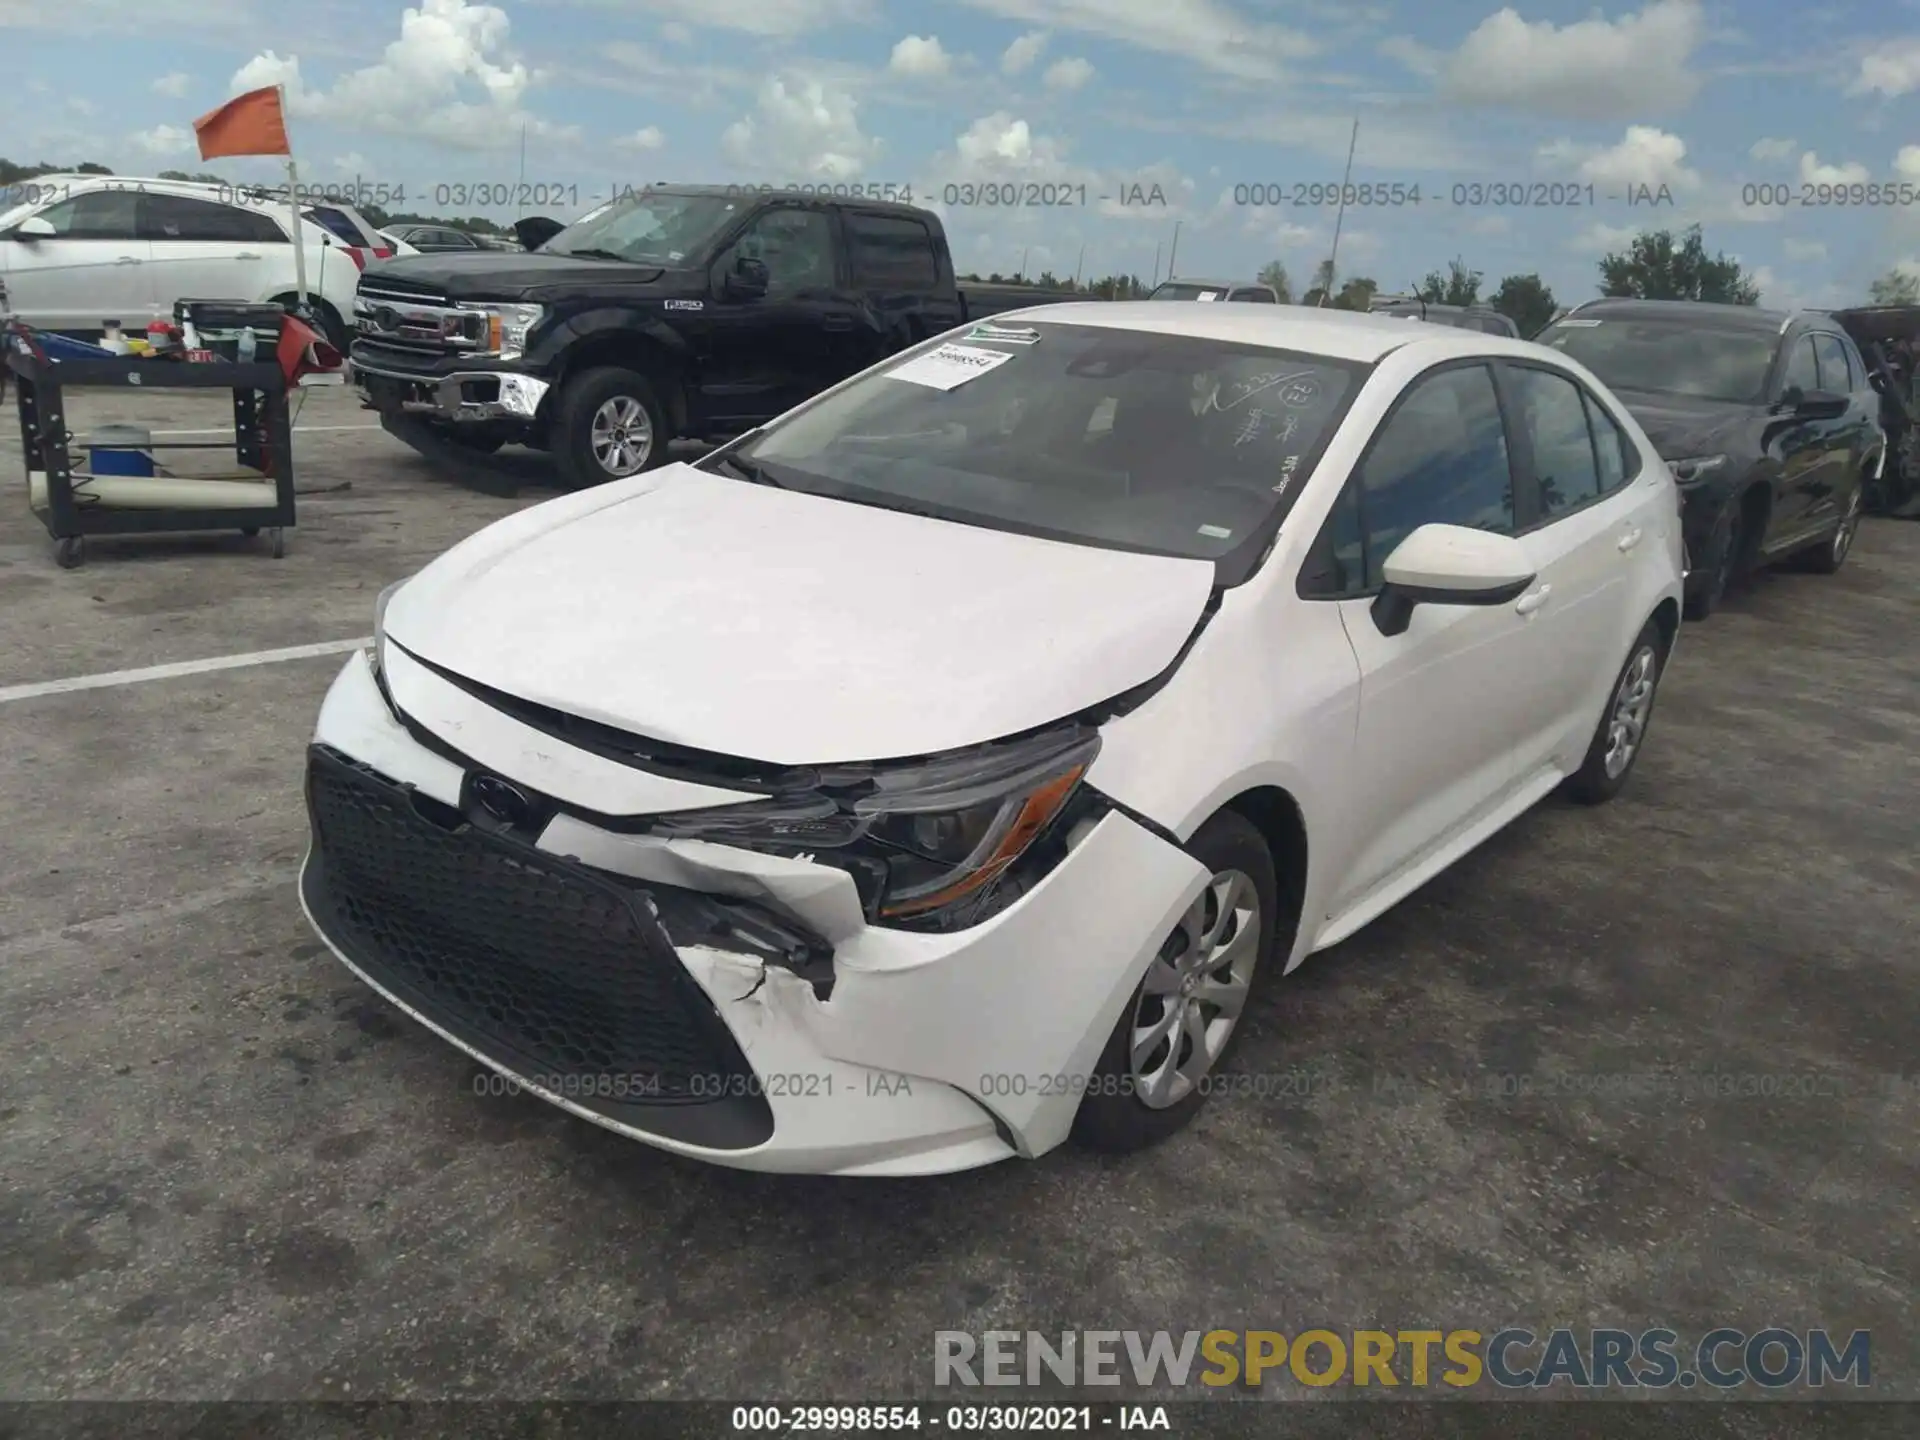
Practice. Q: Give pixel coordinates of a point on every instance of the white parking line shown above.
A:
(184, 667)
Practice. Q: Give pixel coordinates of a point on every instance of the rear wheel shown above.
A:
(609, 425)
(1183, 1017)
(1623, 728)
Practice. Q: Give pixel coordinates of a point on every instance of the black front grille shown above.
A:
(549, 968)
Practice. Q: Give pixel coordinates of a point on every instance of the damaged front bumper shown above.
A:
(781, 1030)
(462, 397)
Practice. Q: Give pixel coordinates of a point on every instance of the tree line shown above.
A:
(1656, 265)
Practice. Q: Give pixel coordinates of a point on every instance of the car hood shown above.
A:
(1682, 427)
(511, 275)
(771, 625)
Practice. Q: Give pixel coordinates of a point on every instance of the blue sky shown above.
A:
(1196, 97)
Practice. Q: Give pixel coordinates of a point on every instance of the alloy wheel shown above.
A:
(1194, 991)
(1632, 704)
(1849, 527)
(622, 436)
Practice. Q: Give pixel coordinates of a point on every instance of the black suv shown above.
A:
(1483, 318)
(1766, 418)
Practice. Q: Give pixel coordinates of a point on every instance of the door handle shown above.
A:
(1532, 600)
(839, 322)
(1629, 540)
(128, 260)
(248, 255)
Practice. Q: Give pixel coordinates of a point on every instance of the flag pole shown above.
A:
(1340, 215)
(293, 204)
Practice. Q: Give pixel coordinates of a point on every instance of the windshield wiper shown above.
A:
(592, 254)
(751, 470)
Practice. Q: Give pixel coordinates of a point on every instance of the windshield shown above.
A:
(1669, 357)
(1171, 444)
(650, 227)
(1188, 290)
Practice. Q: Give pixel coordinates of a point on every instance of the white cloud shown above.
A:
(174, 85)
(352, 163)
(1600, 238)
(1645, 155)
(1907, 163)
(1772, 152)
(1890, 70)
(1023, 52)
(1068, 74)
(1591, 69)
(645, 139)
(1208, 33)
(1812, 172)
(165, 140)
(920, 55)
(1805, 249)
(447, 50)
(80, 105)
(674, 33)
(802, 129)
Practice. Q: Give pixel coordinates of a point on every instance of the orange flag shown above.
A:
(249, 124)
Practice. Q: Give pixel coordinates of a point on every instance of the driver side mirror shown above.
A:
(535, 230)
(1449, 565)
(749, 278)
(33, 228)
(1814, 404)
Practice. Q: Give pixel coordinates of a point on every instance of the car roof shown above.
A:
(1742, 317)
(240, 195)
(1338, 334)
(755, 192)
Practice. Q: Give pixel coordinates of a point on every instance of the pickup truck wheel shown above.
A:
(610, 425)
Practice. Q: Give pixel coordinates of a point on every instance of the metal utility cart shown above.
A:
(262, 443)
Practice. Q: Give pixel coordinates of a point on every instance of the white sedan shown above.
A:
(939, 772)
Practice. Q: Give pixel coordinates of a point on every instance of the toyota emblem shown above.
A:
(504, 801)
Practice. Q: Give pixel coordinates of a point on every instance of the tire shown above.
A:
(1725, 563)
(590, 405)
(1827, 557)
(1116, 1115)
(1600, 777)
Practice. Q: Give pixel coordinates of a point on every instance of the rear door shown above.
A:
(207, 251)
(93, 268)
(1849, 438)
(1797, 447)
(1592, 529)
(894, 266)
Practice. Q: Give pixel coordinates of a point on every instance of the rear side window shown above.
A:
(337, 223)
(1618, 459)
(1254, 297)
(177, 217)
(1802, 372)
(890, 251)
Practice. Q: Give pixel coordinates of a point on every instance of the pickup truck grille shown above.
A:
(417, 320)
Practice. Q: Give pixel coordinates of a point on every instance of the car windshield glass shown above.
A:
(1171, 444)
(650, 226)
(1185, 290)
(1669, 357)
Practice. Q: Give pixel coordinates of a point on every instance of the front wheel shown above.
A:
(609, 425)
(1623, 728)
(1723, 567)
(1158, 1065)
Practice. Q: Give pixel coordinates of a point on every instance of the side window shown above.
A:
(175, 217)
(1555, 418)
(1441, 459)
(1803, 371)
(1615, 453)
(889, 252)
(1834, 374)
(97, 215)
(1254, 297)
(797, 247)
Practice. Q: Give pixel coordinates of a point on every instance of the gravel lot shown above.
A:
(227, 1171)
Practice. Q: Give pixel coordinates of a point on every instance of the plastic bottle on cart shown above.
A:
(248, 344)
(112, 339)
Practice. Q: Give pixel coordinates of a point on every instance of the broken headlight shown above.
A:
(923, 839)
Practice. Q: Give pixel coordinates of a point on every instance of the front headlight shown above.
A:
(1695, 468)
(502, 330)
(922, 839)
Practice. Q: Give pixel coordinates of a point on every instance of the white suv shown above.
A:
(82, 249)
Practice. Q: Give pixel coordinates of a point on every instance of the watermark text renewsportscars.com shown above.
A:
(1768, 1360)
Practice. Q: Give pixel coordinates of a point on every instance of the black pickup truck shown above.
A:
(678, 312)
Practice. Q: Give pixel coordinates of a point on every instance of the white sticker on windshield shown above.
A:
(1207, 295)
(949, 366)
(1216, 532)
(1581, 323)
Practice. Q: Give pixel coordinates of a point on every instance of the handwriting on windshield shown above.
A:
(1301, 388)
